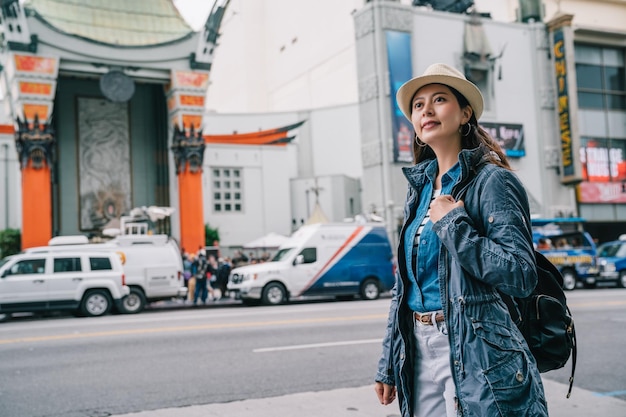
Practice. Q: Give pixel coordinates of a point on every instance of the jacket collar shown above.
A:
(470, 160)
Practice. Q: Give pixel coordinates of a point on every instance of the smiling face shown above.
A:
(437, 115)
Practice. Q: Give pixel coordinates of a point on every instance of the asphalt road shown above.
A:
(186, 359)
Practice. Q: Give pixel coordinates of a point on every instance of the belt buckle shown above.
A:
(424, 319)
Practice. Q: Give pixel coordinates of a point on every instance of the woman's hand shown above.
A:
(441, 206)
(386, 393)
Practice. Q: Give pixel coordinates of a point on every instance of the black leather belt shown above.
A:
(427, 318)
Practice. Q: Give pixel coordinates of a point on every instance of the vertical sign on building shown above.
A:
(400, 71)
(567, 102)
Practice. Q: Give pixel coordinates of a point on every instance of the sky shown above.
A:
(195, 12)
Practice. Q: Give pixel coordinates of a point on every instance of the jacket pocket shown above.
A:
(511, 384)
(496, 335)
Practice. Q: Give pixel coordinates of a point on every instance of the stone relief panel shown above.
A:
(368, 88)
(397, 19)
(103, 162)
(371, 154)
(363, 24)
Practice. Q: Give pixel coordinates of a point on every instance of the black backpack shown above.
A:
(545, 320)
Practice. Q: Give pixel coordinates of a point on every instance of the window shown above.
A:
(29, 266)
(600, 77)
(309, 254)
(67, 265)
(224, 181)
(100, 264)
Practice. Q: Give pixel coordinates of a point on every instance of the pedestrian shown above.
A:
(187, 262)
(201, 289)
(451, 347)
(223, 271)
(211, 276)
(191, 282)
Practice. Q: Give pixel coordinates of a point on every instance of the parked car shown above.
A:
(612, 261)
(340, 260)
(570, 248)
(87, 283)
(152, 264)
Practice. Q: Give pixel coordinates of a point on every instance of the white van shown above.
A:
(332, 259)
(89, 283)
(152, 264)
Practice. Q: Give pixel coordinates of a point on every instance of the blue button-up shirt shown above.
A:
(423, 288)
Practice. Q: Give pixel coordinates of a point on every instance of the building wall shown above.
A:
(10, 185)
(282, 55)
(271, 201)
(289, 65)
(339, 198)
(264, 174)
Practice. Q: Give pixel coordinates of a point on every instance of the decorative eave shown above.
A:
(275, 137)
(7, 129)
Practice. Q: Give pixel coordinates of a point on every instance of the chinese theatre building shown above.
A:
(103, 105)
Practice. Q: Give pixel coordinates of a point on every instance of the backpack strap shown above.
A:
(571, 378)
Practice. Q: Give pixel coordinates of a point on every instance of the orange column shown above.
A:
(192, 234)
(36, 206)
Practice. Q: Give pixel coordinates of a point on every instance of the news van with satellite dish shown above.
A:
(339, 260)
(152, 263)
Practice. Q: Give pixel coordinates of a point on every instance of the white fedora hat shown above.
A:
(440, 74)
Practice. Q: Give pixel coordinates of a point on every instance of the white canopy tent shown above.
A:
(269, 241)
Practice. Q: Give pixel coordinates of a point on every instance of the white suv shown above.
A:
(85, 282)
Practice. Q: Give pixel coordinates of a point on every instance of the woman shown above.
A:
(451, 348)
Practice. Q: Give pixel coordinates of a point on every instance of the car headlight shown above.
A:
(239, 278)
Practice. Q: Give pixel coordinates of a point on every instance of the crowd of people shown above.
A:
(240, 259)
(206, 276)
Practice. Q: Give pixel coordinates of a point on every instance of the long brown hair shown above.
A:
(476, 136)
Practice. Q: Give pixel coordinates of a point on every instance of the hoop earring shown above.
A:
(466, 133)
(419, 142)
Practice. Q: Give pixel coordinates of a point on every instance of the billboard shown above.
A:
(400, 71)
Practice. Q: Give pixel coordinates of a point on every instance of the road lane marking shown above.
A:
(212, 326)
(317, 345)
(609, 394)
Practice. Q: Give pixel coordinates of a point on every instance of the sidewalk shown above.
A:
(362, 402)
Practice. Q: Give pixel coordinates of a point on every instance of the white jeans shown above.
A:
(435, 394)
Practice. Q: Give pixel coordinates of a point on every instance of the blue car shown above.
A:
(612, 262)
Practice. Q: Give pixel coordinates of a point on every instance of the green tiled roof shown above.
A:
(115, 22)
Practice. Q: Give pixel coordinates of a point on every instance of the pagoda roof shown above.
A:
(123, 23)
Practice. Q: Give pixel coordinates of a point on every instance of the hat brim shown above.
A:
(405, 93)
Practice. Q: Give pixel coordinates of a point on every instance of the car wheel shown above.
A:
(5, 317)
(621, 282)
(274, 293)
(134, 302)
(569, 280)
(96, 303)
(370, 289)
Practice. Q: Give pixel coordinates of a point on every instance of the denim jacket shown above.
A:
(486, 249)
